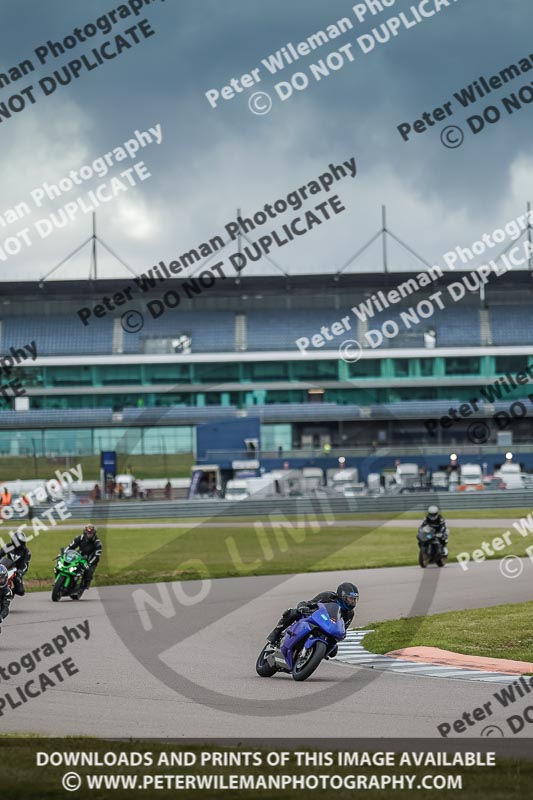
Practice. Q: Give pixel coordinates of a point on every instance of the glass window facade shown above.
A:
(460, 365)
(379, 381)
(89, 441)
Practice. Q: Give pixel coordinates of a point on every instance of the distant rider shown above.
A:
(20, 555)
(435, 521)
(346, 597)
(6, 595)
(89, 546)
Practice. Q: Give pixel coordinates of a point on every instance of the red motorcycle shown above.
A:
(11, 572)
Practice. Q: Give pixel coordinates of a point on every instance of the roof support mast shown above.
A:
(93, 240)
(93, 272)
(383, 232)
(384, 238)
(530, 259)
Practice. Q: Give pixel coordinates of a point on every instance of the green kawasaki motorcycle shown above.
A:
(69, 570)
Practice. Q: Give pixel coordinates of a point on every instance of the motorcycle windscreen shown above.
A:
(328, 617)
(7, 563)
(333, 610)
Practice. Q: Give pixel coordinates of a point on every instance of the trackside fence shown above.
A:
(291, 506)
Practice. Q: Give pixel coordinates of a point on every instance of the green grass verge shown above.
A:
(510, 778)
(497, 632)
(155, 554)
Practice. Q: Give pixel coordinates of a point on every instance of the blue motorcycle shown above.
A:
(305, 644)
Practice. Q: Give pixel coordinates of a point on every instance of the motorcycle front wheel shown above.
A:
(308, 661)
(262, 667)
(423, 557)
(57, 591)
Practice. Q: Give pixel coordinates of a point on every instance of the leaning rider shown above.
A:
(90, 547)
(6, 595)
(20, 555)
(346, 597)
(435, 521)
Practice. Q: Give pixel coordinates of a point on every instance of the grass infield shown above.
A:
(158, 554)
(497, 632)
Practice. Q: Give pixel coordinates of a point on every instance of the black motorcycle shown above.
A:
(430, 547)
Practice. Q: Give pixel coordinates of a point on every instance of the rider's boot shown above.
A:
(274, 637)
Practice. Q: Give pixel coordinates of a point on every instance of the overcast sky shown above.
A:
(212, 161)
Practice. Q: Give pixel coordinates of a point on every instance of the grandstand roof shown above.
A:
(370, 280)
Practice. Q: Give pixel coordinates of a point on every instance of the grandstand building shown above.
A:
(233, 351)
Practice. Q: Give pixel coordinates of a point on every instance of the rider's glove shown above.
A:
(306, 608)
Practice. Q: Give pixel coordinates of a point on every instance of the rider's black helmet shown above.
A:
(19, 538)
(348, 595)
(433, 513)
(89, 531)
(4, 575)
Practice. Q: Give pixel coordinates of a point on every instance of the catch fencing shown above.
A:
(300, 506)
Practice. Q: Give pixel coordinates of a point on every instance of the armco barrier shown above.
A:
(448, 501)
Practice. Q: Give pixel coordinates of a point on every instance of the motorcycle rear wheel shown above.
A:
(57, 591)
(262, 667)
(311, 660)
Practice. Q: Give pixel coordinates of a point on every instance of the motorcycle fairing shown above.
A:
(322, 625)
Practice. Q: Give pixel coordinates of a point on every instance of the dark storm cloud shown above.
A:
(202, 44)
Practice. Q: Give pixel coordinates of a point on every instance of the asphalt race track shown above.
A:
(213, 654)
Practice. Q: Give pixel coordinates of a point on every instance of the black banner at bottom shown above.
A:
(45, 769)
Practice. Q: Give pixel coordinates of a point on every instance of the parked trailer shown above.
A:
(470, 478)
(244, 488)
(511, 476)
(407, 476)
(313, 479)
(339, 478)
(287, 482)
